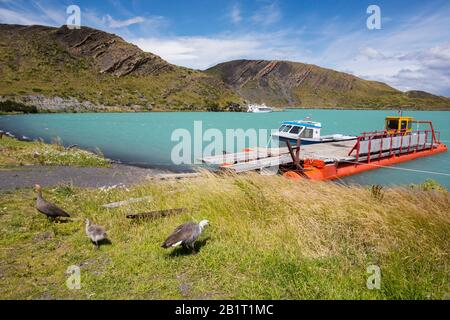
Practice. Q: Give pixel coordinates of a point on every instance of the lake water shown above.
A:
(145, 138)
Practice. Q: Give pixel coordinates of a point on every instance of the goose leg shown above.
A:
(96, 245)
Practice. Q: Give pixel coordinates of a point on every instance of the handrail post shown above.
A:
(358, 149)
(409, 143)
(417, 144)
(390, 147)
(425, 143)
(401, 145)
(381, 147)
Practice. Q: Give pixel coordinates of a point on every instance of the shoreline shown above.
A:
(444, 109)
(17, 175)
(119, 175)
(161, 168)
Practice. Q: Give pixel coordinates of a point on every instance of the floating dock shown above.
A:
(332, 160)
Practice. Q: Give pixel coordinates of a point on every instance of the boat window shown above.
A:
(296, 130)
(391, 124)
(307, 133)
(410, 125)
(404, 123)
(282, 128)
(287, 128)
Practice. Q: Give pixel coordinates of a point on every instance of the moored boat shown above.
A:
(308, 131)
(256, 108)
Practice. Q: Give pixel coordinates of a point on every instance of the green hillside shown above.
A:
(292, 84)
(58, 69)
(91, 65)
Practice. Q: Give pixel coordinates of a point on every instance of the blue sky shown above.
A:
(410, 51)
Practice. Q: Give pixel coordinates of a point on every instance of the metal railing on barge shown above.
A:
(380, 144)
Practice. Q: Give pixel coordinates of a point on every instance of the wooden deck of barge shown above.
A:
(261, 158)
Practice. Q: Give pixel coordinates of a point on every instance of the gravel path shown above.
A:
(26, 177)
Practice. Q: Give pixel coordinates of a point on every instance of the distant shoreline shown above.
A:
(446, 109)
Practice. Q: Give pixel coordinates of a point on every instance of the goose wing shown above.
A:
(49, 209)
(96, 233)
(96, 230)
(180, 234)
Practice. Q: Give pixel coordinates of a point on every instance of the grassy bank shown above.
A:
(270, 238)
(20, 153)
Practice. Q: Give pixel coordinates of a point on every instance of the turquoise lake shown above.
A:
(144, 139)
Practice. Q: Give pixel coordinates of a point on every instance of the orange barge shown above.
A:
(321, 171)
(397, 143)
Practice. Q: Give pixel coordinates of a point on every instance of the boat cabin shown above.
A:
(301, 128)
(399, 124)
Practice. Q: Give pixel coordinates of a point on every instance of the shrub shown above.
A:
(12, 106)
(213, 106)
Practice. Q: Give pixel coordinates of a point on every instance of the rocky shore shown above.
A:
(70, 104)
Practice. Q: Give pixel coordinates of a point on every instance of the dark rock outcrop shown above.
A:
(107, 52)
(110, 53)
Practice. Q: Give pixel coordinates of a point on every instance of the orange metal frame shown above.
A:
(343, 169)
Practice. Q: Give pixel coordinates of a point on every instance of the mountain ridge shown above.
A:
(299, 84)
(92, 70)
(59, 69)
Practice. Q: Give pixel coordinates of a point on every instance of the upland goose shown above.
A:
(185, 235)
(95, 232)
(47, 208)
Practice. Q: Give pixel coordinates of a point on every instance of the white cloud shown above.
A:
(12, 17)
(411, 54)
(14, 12)
(112, 23)
(267, 15)
(235, 14)
(204, 52)
(371, 53)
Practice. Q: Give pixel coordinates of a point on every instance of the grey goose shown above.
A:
(47, 208)
(185, 235)
(95, 232)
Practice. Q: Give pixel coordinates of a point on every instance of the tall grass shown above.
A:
(270, 238)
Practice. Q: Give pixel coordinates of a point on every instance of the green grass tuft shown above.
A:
(20, 153)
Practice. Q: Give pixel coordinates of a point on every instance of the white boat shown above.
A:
(308, 132)
(256, 108)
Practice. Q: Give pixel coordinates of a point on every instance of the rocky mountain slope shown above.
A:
(88, 69)
(110, 54)
(290, 84)
(58, 69)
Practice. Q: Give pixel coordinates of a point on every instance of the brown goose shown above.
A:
(47, 208)
(95, 232)
(185, 235)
